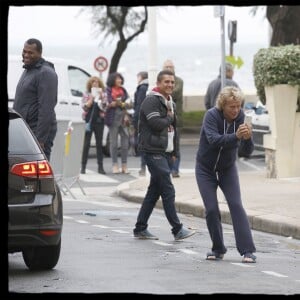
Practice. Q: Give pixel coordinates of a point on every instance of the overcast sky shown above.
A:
(188, 24)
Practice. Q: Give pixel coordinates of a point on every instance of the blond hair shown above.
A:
(90, 83)
(229, 93)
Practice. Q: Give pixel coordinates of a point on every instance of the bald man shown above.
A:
(177, 97)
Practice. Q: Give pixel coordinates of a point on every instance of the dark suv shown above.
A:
(35, 208)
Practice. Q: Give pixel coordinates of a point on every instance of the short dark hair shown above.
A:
(162, 73)
(228, 67)
(39, 46)
(111, 79)
(143, 74)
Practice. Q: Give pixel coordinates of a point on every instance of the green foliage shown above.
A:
(276, 65)
(193, 118)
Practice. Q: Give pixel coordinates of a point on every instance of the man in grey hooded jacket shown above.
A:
(36, 95)
(215, 86)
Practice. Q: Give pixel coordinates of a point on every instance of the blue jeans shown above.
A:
(159, 166)
(175, 165)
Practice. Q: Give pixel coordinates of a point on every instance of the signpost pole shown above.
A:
(152, 55)
(219, 11)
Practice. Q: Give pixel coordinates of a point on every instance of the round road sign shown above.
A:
(100, 64)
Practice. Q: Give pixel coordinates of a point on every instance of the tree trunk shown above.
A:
(285, 23)
(120, 49)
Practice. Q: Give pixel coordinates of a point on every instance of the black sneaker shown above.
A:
(145, 235)
(184, 233)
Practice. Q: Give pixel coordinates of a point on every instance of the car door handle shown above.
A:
(63, 102)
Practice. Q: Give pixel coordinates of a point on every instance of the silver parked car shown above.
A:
(260, 122)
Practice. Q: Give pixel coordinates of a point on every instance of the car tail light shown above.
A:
(34, 169)
(49, 232)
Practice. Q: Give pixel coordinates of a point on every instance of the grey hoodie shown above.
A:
(36, 97)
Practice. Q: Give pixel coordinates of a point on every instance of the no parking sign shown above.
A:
(101, 64)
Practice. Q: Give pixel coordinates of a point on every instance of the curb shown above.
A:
(258, 221)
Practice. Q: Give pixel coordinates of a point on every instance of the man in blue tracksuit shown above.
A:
(157, 139)
(223, 132)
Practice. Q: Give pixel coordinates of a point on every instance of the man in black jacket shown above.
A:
(36, 95)
(157, 139)
(139, 96)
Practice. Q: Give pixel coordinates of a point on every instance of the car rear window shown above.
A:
(20, 139)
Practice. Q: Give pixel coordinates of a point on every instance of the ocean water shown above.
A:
(196, 64)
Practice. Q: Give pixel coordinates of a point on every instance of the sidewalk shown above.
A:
(272, 205)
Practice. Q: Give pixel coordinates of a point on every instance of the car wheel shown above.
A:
(41, 258)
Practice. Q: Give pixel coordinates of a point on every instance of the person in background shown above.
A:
(157, 134)
(177, 97)
(215, 86)
(223, 131)
(36, 95)
(117, 120)
(139, 96)
(93, 102)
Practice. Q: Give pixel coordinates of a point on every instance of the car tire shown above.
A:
(41, 258)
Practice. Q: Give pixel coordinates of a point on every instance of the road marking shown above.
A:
(162, 243)
(120, 231)
(188, 251)
(245, 265)
(95, 177)
(82, 221)
(100, 226)
(99, 203)
(68, 217)
(274, 274)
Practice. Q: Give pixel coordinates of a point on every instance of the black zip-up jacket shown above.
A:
(153, 125)
(36, 97)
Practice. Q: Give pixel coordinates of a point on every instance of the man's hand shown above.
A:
(244, 132)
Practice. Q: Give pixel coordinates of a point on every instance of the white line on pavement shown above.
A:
(120, 231)
(274, 274)
(82, 221)
(188, 251)
(245, 265)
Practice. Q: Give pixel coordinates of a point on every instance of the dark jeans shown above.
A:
(176, 163)
(160, 185)
(49, 142)
(97, 129)
(228, 181)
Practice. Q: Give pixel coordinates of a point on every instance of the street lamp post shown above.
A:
(152, 55)
(219, 11)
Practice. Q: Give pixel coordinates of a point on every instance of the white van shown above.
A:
(71, 86)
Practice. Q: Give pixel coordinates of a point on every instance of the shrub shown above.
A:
(193, 118)
(276, 65)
